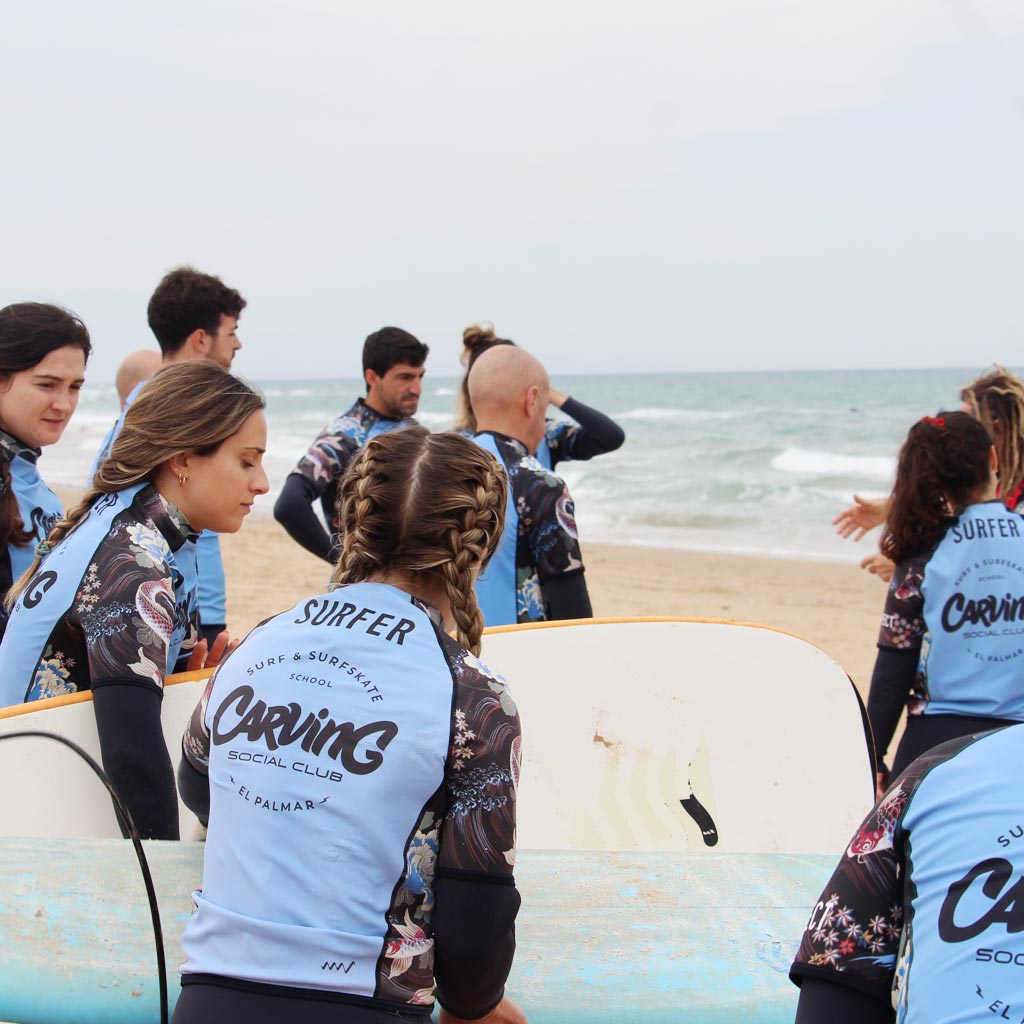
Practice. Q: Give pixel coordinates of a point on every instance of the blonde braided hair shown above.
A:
(416, 502)
(192, 406)
(996, 400)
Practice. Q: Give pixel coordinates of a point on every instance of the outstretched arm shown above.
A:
(863, 515)
(294, 511)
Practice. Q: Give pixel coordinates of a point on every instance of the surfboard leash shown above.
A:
(133, 833)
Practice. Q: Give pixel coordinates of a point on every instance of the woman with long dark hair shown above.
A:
(358, 767)
(43, 352)
(951, 645)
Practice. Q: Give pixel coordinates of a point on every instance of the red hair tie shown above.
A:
(934, 421)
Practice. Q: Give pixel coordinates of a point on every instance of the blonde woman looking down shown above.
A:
(109, 603)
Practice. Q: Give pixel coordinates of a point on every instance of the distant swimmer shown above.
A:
(393, 369)
(537, 571)
(996, 400)
(951, 643)
(43, 352)
(592, 433)
(193, 316)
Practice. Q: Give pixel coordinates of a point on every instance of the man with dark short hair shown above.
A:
(193, 316)
(393, 369)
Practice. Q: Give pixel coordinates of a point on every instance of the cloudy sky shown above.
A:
(652, 186)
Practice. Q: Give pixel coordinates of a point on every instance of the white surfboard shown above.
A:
(683, 734)
(641, 734)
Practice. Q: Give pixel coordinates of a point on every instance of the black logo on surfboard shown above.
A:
(696, 810)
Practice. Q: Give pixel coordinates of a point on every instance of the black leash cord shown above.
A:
(133, 833)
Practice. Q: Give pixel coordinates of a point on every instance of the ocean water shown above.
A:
(734, 462)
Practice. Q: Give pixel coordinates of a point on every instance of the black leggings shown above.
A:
(926, 731)
(215, 1002)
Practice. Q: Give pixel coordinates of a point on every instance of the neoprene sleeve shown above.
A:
(194, 789)
(474, 942)
(891, 682)
(566, 596)
(295, 512)
(825, 1003)
(600, 433)
(135, 755)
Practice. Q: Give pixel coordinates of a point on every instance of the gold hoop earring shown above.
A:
(182, 479)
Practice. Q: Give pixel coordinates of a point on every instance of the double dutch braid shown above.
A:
(414, 502)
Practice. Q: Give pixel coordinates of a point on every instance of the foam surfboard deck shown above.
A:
(683, 734)
(647, 734)
(604, 937)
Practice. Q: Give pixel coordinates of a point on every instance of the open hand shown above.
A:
(863, 515)
(205, 656)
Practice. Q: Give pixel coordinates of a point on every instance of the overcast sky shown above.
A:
(712, 185)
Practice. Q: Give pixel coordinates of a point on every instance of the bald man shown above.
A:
(135, 369)
(537, 571)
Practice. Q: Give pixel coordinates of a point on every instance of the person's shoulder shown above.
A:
(345, 422)
(470, 672)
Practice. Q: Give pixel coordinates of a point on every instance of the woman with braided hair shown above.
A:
(951, 644)
(110, 601)
(43, 352)
(358, 769)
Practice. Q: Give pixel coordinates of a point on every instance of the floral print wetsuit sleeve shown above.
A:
(550, 518)
(477, 902)
(483, 773)
(903, 616)
(327, 458)
(126, 608)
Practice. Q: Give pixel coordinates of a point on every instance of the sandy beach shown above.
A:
(835, 606)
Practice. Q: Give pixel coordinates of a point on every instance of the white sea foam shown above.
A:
(654, 414)
(809, 462)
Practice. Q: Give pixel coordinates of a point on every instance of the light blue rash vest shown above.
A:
(330, 727)
(38, 506)
(55, 587)
(212, 586)
(972, 656)
(926, 907)
(496, 586)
